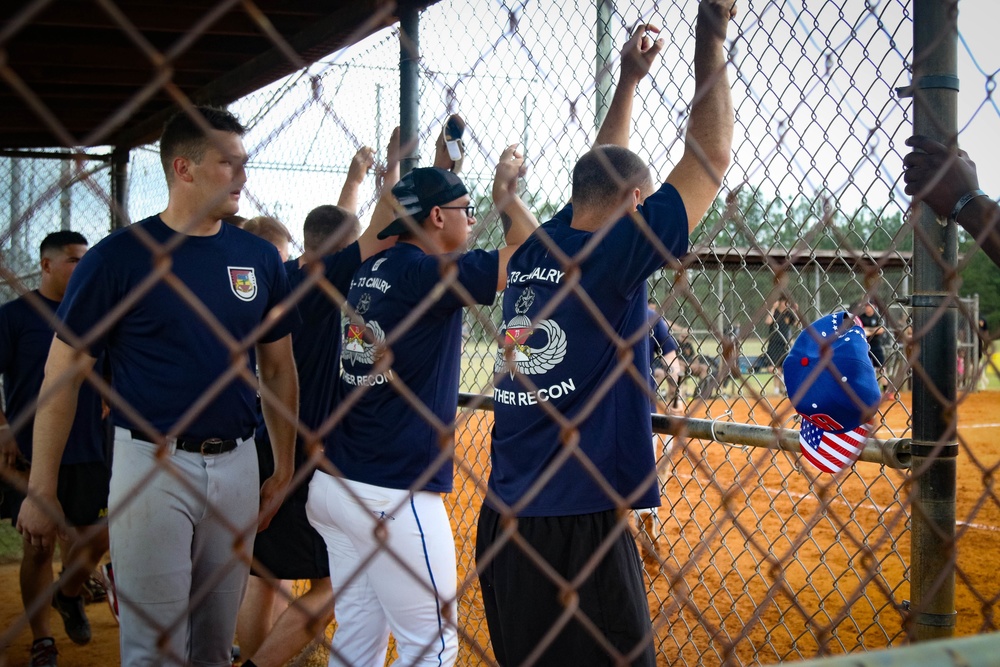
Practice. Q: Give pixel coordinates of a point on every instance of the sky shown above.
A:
(813, 84)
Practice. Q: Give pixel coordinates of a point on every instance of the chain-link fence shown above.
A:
(754, 557)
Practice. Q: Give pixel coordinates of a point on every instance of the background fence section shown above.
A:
(759, 559)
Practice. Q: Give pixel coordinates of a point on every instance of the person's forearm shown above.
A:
(349, 196)
(618, 120)
(710, 127)
(57, 401)
(981, 218)
(522, 222)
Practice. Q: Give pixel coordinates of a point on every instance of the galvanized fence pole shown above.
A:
(409, 88)
(934, 299)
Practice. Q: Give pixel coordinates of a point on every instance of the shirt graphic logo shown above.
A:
(243, 282)
(364, 303)
(515, 355)
(378, 263)
(360, 341)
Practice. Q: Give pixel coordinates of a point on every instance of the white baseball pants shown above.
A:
(392, 566)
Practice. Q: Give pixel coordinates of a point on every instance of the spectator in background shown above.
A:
(779, 320)
(875, 332)
(83, 476)
(664, 366)
(273, 230)
(947, 182)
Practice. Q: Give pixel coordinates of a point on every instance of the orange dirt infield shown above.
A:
(760, 559)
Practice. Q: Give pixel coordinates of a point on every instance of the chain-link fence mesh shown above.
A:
(754, 557)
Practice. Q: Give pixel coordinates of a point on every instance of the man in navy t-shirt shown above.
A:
(571, 439)
(176, 301)
(392, 553)
(290, 548)
(26, 330)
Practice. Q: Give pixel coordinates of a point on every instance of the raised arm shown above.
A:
(522, 220)
(385, 208)
(360, 165)
(708, 143)
(65, 371)
(949, 184)
(637, 56)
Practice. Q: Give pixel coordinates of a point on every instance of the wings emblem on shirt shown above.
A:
(524, 358)
(361, 340)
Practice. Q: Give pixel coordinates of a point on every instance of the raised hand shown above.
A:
(362, 162)
(510, 167)
(639, 52)
(715, 15)
(936, 175)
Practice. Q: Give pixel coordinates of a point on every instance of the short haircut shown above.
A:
(61, 239)
(604, 174)
(268, 228)
(183, 137)
(326, 221)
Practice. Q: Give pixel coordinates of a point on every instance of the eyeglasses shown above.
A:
(470, 210)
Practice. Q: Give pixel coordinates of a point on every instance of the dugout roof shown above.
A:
(88, 65)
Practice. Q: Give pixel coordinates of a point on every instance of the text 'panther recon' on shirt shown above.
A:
(571, 362)
(163, 354)
(384, 440)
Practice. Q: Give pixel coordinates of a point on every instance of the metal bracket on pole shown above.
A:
(941, 450)
(936, 620)
(930, 300)
(934, 81)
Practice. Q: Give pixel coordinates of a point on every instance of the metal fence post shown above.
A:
(409, 87)
(932, 578)
(602, 61)
(119, 188)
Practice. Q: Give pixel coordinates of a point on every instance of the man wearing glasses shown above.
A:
(392, 552)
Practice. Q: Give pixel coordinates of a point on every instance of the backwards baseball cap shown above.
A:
(831, 382)
(418, 192)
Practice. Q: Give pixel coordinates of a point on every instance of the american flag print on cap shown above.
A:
(831, 383)
(832, 452)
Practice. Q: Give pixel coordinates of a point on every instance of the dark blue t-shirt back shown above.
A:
(384, 440)
(567, 351)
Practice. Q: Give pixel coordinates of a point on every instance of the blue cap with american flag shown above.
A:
(831, 382)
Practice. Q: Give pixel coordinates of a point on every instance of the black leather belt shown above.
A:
(207, 447)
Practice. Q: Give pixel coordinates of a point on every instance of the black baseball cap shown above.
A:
(418, 192)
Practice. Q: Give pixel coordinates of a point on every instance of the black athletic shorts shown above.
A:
(290, 548)
(522, 604)
(82, 491)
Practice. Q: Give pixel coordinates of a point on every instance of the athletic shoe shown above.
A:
(93, 590)
(109, 586)
(451, 135)
(73, 616)
(43, 653)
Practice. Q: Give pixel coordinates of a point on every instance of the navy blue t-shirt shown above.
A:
(163, 355)
(316, 340)
(572, 360)
(25, 339)
(383, 440)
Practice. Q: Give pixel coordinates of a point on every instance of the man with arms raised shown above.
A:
(572, 427)
(392, 552)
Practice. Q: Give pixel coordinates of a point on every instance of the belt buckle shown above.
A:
(211, 442)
